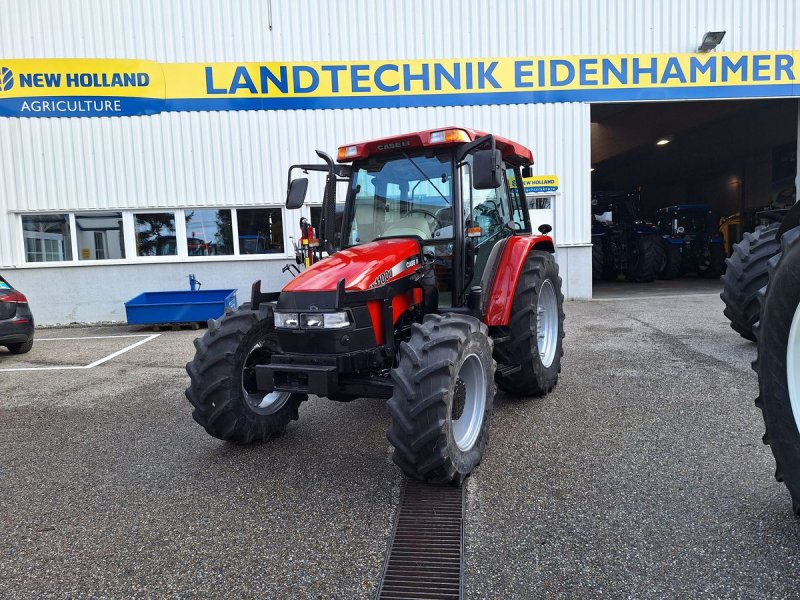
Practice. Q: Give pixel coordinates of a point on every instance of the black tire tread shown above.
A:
(642, 265)
(529, 381)
(672, 262)
(20, 347)
(745, 274)
(214, 389)
(418, 407)
(780, 429)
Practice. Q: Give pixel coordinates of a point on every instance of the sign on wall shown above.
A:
(541, 184)
(106, 87)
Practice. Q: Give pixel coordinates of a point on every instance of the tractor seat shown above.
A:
(412, 225)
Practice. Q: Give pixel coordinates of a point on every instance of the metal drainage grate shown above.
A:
(425, 556)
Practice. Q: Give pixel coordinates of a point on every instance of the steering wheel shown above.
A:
(428, 213)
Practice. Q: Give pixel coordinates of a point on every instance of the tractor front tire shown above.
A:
(642, 261)
(745, 275)
(535, 331)
(222, 390)
(672, 261)
(443, 395)
(778, 363)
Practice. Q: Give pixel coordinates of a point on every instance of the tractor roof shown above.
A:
(685, 208)
(513, 153)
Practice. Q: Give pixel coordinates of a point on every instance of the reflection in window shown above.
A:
(260, 230)
(99, 235)
(47, 238)
(155, 234)
(209, 232)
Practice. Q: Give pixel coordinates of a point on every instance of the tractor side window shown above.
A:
(516, 188)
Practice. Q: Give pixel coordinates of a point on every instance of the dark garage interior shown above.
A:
(735, 156)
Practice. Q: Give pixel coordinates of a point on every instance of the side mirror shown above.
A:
(297, 192)
(486, 169)
(527, 171)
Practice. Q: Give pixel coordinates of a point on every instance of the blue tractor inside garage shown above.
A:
(689, 242)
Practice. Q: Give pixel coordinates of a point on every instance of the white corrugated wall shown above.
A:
(219, 158)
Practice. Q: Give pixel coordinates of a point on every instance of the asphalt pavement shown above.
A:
(643, 475)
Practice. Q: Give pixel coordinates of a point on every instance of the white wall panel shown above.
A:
(240, 158)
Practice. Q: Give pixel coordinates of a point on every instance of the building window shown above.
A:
(100, 235)
(47, 238)
(260, 230)
(155, 234)
(209, 232)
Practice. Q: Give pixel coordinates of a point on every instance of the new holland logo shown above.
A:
(6, 79)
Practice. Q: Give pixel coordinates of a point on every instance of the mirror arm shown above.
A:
(467, 148)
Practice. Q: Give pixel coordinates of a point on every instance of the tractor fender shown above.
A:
(791, 220)
(501, 296)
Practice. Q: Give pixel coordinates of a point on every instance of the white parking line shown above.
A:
(90, 365)
(93, 337)
(655, 296)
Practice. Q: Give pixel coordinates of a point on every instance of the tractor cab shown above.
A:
(449, 190)
(428, 290)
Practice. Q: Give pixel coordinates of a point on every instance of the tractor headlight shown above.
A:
(331, 320)
(287, 320)
(335, 320)
(293, 320)
(311, 321)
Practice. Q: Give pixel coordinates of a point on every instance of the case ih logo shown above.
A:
(6, 79)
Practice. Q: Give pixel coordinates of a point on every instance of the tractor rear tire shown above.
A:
(642, 262)
(222, 390)
(745, 275)
(535, 330)
(443, 395)
(672, 261)
(778, 363)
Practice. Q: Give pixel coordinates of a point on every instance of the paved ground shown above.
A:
(643, 475)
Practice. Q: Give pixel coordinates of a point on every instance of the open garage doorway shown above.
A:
(679, 183)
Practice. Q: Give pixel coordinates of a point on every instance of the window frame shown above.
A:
(129, 236)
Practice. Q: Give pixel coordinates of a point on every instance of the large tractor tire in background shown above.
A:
(778, 363)
(443, 395)
(671, 260)
(745, 275)
(222, 390)
(642, 260)
(535, 331)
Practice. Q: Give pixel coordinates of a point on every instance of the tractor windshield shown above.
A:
(408, 195)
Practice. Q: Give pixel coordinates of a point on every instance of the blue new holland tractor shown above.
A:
(689, 242)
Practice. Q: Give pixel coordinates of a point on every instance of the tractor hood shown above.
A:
(362, 267)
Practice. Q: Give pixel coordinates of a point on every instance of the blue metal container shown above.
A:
(152, 308)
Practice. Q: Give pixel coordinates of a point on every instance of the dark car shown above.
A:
(16, 320)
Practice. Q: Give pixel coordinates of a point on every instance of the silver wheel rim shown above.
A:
(547, 323)
(469, 402)
(258, 402)
(793, 366)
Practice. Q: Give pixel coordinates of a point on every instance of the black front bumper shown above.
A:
(343, 375)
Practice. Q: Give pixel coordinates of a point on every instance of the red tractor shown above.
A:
(434, 291)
